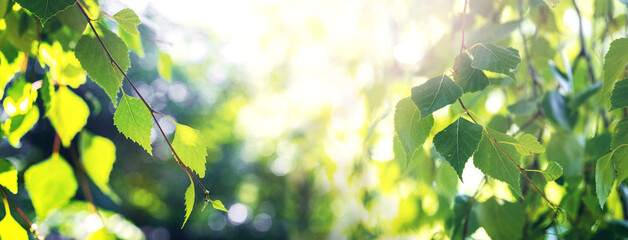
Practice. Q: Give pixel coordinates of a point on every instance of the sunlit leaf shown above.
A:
(189, 201)
(9, 228)
(470, 79)
(164, 66)
(604, 178)
(410, 127)
(128, 20)
(17, 126)
(615, 61)
(499, 160)
(619, 97)
(95, 61)
(51, 184)
(435, 94)
(20, 97)
(98, 155)
(8, 175)
(217, 204)
(133, 42)
(134, 120)
(191, 148)
(501, 220)
(620, 134)
(65, 69)
(527, 145)
(73, 18)
(457, 142)
(494, 58)
(7, 71)
(68, 114)
(553, 171)
(101, 234)
(45, 9)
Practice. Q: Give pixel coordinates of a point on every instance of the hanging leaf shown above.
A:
(470, 79)
(68, 114)
(554, 106)
(8, 175)
(191, 148)
(44, 10)
(620, 134)
(410, 127)
(64, 67)
(620, 159)
(615, 61)
(95, 61)
(553, 171)
(134, 42)
(524, 107)
(9, 228)
(217, 204)
(499, 160)
(51, 184)
(584, 95)
(128, 20)
(20, 98)
(604, 178)
(501, 220)
(619, 97)
(189, 202)
(527, 145)
(134, 120)
(435, 94)
(17, 126)
(457, 142)
(164, 66)
(494, 58)
(98, 155)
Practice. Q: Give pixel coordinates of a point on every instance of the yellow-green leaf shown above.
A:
(98, 155)
(47, 9)
(164, 66)
(217, 204)
(8, 175)
(9, 228)
(51, 184)
(553, 171)
(128, 20)
(133, 42)
(191, 148)
(527, 145)
(17, 126)
(499, 160)
(604, 178)
(101, 234)
(189, 201)
(68, 114)
(134, 120)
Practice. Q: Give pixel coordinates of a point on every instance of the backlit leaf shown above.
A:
(8, 175)
(98, 155)
(189, 202)
(553, 171)
(17, 126)
(457, 142)
(604, 178)
(494, 58)
(410, 127)
(435, 94)
(619, 97)
(95, 61)
(9, 228)
(164, 66)
(133, 42)
(615, 61)
(527, 145)
(191, 148)
(499, 160)
(128, 20)
(469, 78)
(51, 184)
(68, 114)
(134, 120)
(217, 204)
(45, 9)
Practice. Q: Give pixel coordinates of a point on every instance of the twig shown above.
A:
(583, 51)
(529, 122)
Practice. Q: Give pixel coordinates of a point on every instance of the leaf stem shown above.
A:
(187, 169)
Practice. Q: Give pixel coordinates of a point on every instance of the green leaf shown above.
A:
(133, 42)
(527, 145)
(47, 93)
(189, 202)
(9, 228)
(101, 234)
(68, 114)
(501, 220)
(456, 223)
(17, 126)
(164, 66)
(620, 159)
(134, 120)
(553, 171)
(95, 61)
(434, 94)
(498, 160)
(457, 142)
(51, 184)
(20, 97)
(584, 95)
(8, 175)
(615, 61)
(604, 178)
(217, 204)
(45, 9)
(566, 150)
(470, 79)
(494, 58)
(191, 148)
(410, 127)
(98, 155)
(524, 107)
(554, 106)
(128, 20)
(619, 97)
(620, 134)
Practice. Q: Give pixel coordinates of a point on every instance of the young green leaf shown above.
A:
(457, 142)
(164, 66)
(620, 159)
(499, 160)
(133, 42)
(527, 145)
(410, 127)
(8, 175)
(17, 126)
(553, 171)
(435, 94)
(95, 61)
(51, 184)
(604, 178)
(44, 10)
(217, 204)
(620, 134)
(619, 97)
(134, 120)
(469, 78)
(614, 62)
(98, 155)
(189, 202)
(128, 20)
(191, 148)
(68, 114)
(494, 58)
(9, 228)
(501, 220)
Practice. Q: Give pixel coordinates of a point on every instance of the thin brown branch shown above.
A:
(583, 51)
(526, 53)
(529, 122)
